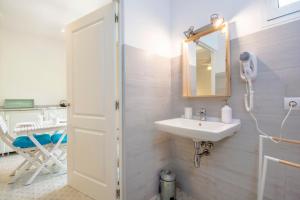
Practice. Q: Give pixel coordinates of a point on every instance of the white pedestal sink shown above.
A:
(211, 130)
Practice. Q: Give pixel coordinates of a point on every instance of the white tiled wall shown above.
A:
(230, 172)
(147, 99)
(153, 92)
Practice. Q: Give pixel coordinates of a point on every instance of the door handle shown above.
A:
(64, 103)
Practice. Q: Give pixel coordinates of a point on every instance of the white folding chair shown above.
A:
(61, 155)
(47, 153)
(31, 155)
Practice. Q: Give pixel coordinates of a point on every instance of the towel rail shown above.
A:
(260, 194)
(291, 164)
(286, 140)
(263, 162)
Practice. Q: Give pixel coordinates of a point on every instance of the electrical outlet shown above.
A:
(292, 101)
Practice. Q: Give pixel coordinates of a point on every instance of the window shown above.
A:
(282, 9)
(282, 3)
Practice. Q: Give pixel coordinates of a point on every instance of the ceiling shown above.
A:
(43, 17)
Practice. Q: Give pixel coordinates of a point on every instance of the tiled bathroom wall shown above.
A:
(147, 92)
(153, 91)
(230, 172)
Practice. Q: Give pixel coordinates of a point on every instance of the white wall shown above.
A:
(32, 66)
(147, 25)
(44, 17)
(217, 178)
(32, 51)
(245, 17)
(146, 42)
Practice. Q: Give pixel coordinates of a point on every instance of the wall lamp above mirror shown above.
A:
(206, 60)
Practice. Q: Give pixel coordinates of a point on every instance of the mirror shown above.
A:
(206, 70)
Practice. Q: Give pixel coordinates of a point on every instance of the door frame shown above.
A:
(118, 7)
(121, 83)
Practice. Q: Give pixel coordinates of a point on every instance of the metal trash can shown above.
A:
(167, 186)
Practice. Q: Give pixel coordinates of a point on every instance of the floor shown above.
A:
(180, 195)
(45, 187)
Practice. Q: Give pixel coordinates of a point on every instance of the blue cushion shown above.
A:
(56, 136)
(25, 142)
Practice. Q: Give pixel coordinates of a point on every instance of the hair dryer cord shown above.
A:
(281, 127)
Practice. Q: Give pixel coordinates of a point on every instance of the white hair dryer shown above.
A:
(248, 72)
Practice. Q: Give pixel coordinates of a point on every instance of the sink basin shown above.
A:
(210, 130)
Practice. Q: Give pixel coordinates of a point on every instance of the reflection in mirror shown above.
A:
(206, 65)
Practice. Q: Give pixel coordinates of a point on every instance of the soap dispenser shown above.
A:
(226, 114)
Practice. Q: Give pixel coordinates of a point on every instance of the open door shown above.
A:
(92, 92)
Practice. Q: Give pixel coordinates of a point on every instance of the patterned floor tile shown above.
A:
(45, 187)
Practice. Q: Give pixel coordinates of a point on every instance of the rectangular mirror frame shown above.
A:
(207, 30)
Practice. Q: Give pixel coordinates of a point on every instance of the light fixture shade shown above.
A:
(216, 20)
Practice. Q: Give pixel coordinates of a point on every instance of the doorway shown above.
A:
(33, 43)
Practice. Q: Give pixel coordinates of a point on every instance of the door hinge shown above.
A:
(116, 18)
(118, 193)
(117, 105)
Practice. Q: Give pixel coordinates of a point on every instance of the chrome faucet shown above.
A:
(202, 114)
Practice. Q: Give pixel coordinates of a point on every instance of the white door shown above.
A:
(92, 147)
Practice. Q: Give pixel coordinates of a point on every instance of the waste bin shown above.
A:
(167, 186)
